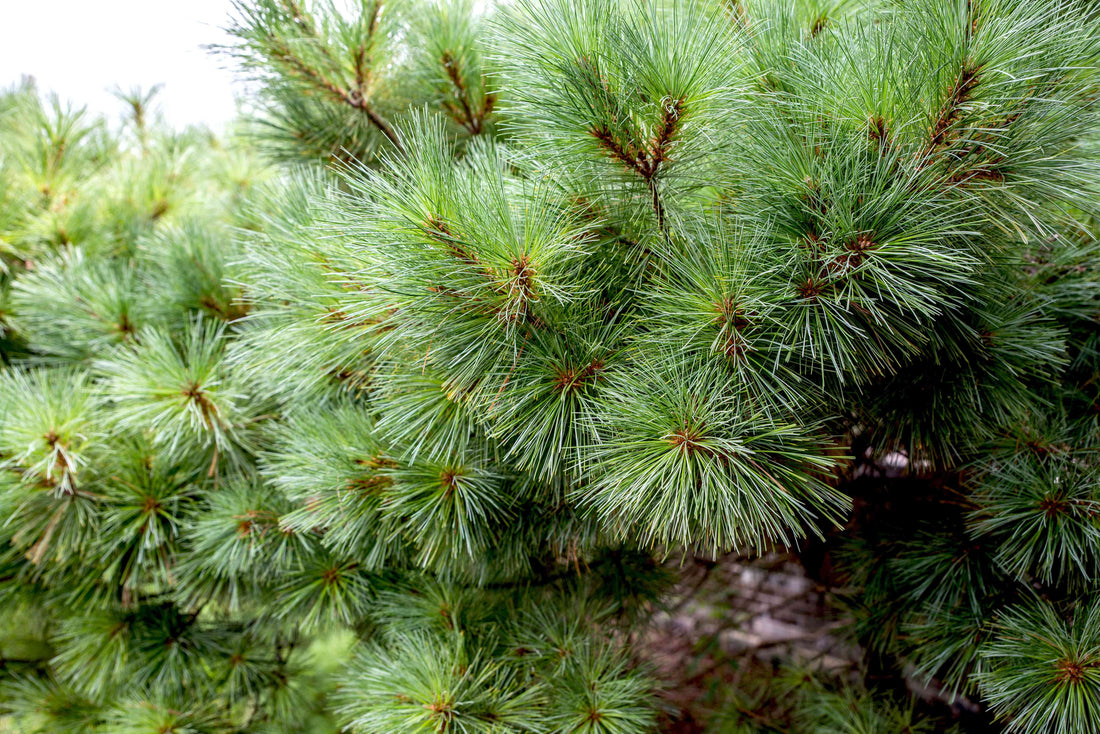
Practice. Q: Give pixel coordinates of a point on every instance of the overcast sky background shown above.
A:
(83, 48)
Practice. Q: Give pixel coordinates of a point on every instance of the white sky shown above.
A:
(82, 48)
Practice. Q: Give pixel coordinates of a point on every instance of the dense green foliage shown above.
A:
(382, 413)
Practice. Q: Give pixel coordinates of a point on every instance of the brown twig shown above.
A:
(354, 98)
(466, 116)
(647, 159)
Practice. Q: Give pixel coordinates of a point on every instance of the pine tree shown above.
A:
(392, 410)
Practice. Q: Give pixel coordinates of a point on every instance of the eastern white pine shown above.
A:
(395, 408)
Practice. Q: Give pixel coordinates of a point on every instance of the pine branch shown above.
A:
(951, 110)
(467, 118)
(352, 97)
(646, 160)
